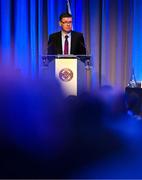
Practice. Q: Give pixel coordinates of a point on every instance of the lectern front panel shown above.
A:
(66, 73)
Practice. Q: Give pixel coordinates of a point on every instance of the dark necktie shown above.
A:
(66, 45)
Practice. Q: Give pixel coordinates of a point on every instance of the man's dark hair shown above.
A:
(63, 15)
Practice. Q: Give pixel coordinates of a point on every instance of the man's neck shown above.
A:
(65, 33)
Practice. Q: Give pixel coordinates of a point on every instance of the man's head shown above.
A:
(66, 22)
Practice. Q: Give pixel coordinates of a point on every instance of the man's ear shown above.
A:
(59, 23)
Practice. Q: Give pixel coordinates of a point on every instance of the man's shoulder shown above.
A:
(77, 33)
(56, 34)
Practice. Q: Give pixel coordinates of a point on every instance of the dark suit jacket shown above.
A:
(77, 44)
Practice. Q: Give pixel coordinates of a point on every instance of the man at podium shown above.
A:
(66, 41)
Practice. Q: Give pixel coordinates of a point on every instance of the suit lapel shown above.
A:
(59, 50)
(72, 42)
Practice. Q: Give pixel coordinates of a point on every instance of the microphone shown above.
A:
(50, 55)
(85, 58)
(84, 48)
(50, 48)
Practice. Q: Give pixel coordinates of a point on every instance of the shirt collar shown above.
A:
(64, 34)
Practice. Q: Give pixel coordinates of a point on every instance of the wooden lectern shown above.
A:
(73, 72)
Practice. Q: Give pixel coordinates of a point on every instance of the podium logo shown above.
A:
(66, 74)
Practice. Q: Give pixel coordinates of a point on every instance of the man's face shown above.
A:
(66, 24)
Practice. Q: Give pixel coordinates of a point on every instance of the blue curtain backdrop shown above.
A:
(112, 31)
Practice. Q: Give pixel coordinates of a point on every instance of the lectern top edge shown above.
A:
(51, 57)
(66, 55)
(78, 56)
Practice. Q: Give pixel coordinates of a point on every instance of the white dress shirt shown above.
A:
(69, 42)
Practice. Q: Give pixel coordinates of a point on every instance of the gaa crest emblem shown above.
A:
(66, 74)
